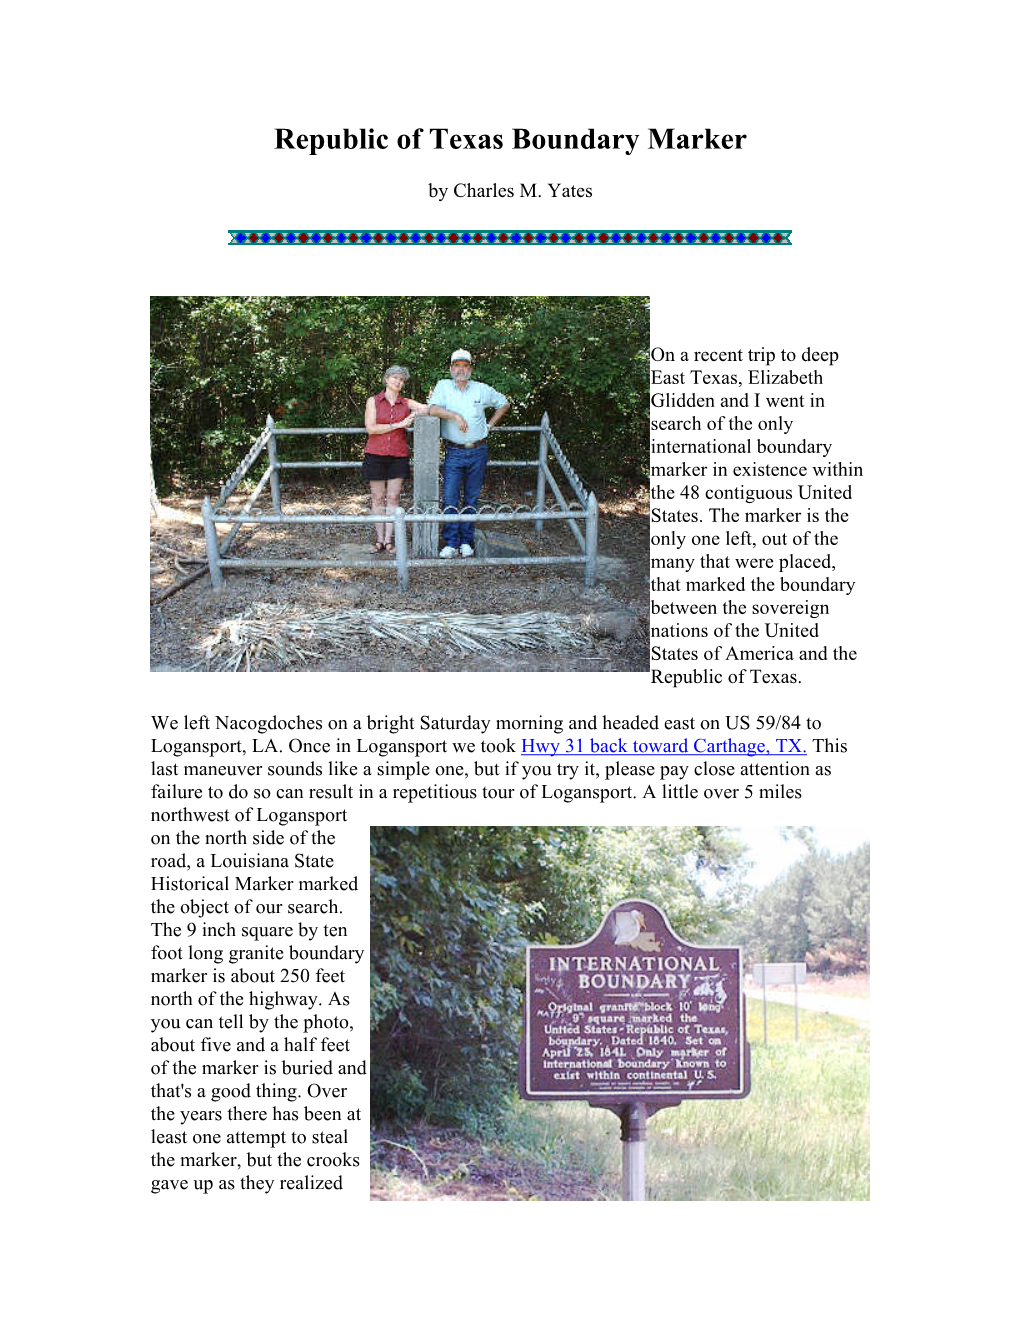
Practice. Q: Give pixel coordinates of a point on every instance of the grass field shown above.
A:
(801, 1135)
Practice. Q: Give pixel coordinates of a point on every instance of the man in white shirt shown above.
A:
(461, 403)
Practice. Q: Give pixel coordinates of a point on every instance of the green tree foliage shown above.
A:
(692, 872)
(451, 913)
(839, 913)
(817, 912)
(219, 365)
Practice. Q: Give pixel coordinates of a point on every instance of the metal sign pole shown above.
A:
(796, 1011)
(634, 1135)
(764, 1013)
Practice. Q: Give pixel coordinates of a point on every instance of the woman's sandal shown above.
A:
(389, 548)
(379, 548)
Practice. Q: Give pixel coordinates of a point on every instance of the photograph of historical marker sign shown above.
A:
(634, 1014)
(608, 969)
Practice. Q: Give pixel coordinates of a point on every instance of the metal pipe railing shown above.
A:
(360, 430)
(403, 561)
(287, 519)
(558, 494)
(375, 562)
(567, 467)
(234, 480)
(356, 463)
(542, 462)
(228, 540)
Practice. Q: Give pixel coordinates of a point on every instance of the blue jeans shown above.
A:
(463, 474)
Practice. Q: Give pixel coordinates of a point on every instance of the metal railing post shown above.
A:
(274, 465)
(212, 546)
(591, 540)
(400, 543)
(543, 463)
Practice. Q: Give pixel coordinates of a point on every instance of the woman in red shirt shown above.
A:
(387, 462)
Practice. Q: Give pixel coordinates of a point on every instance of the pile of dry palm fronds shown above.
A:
(276, 636)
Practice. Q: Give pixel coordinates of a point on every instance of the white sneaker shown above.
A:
(447, 552)
(466, 551)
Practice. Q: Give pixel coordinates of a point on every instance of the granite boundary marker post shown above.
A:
(425, 474)
(634, 1020)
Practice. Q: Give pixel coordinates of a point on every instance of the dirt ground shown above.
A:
(427, 1164)
(180, 624)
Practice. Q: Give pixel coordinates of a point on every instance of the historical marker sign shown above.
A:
(634, 1015)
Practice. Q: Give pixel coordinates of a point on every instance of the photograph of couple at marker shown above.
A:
(399, 483)
(620, 1013)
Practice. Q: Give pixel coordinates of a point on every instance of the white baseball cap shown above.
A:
(460, 355)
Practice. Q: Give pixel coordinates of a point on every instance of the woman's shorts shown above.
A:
(381, 467)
